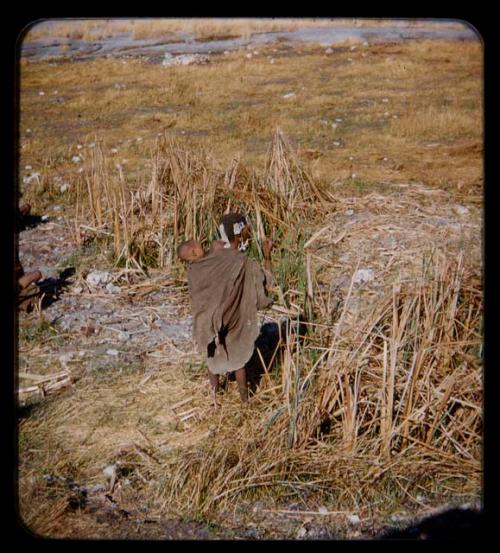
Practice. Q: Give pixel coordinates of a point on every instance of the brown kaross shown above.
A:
(227, 288)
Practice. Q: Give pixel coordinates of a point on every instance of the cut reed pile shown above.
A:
(399, 397)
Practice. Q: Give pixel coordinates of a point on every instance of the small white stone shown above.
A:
(114, 150)
(323, 510)
(339, 119)
(289, 95)
(385, 100)
(76, 159)
(334, 125)
(111, 288)
(28, 167)
(98, 277)
(353, 519)
(41, 93)
(349, 212)
(110, 471)
(302, 532)
(113, 352)
(328, 51)
(363, 275)
(462, 210)
(249, 56)
(64, 188)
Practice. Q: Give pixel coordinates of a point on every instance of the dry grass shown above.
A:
(204, 28)
(378, 413)
(405, 383)
(185, 197)
(381, 406)
(404, 124)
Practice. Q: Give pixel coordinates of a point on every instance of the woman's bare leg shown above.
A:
(241, 379)
(214, 385)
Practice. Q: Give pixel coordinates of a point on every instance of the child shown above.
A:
(190, 251)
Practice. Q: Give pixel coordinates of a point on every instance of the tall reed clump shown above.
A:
(189, 186)
(294, 190)
(185, 197)
(414, 375)
(147, 221)
(402, 387)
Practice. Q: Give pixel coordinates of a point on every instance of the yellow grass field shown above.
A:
(364, 156)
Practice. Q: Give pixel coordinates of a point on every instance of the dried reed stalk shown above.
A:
(379, 387)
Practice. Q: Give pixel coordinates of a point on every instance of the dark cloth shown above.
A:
(226, 289)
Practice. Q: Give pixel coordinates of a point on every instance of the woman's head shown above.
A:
(234, 230)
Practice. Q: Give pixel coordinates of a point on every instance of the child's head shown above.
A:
(190, 250)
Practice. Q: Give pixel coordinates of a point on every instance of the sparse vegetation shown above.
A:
(379, 409)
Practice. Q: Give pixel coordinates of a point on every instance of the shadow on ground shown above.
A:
(455, 524)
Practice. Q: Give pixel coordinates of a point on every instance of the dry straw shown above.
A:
(405, 385)
(393, 395)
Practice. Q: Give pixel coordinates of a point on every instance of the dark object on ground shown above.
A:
(455, 524)
(269, 343)
(25, 219)
(27, 292)
(47, 290)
